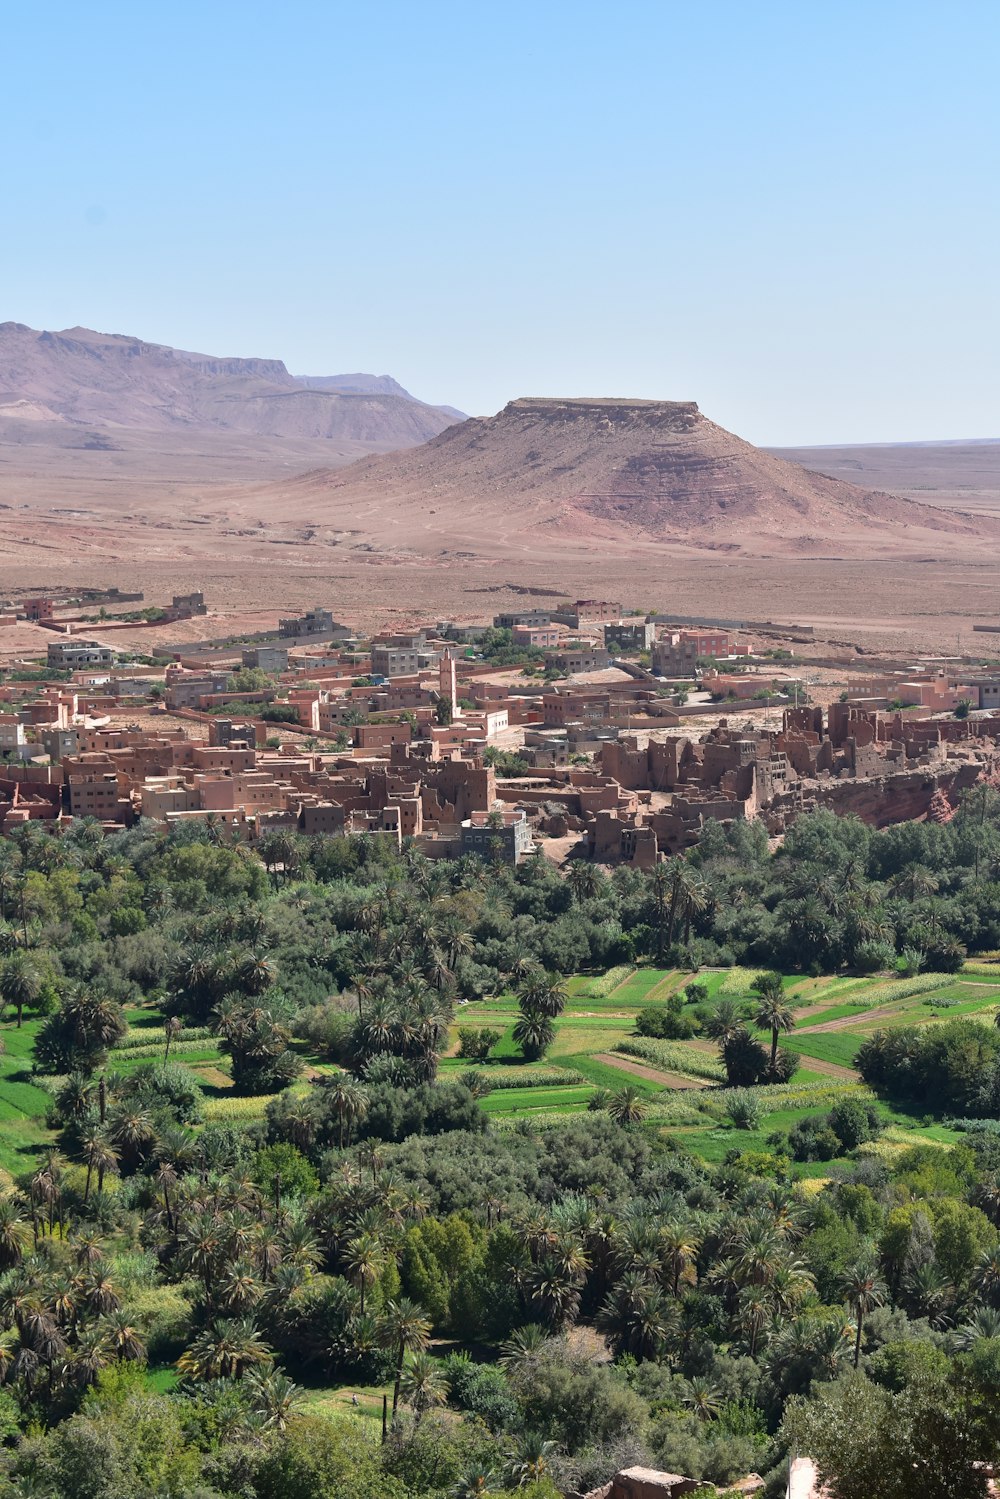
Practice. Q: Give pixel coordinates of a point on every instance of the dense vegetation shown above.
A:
(188, 1301)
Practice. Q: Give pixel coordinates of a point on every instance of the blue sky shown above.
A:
(787, 212)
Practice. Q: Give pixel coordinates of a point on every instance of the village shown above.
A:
(585, 730)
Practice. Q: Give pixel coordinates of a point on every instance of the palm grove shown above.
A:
(373, 1229)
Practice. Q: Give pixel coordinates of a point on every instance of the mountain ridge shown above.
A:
(119, 381)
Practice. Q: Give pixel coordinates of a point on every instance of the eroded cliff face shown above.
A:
(109, 379)
(906, 796)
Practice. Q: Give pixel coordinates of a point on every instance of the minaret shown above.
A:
(446, 682)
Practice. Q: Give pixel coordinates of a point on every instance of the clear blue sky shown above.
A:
(785, 211)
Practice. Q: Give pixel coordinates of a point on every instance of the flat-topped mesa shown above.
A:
(614, 470)
(604, 410)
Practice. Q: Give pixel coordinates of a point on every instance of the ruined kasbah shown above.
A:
(582, 730)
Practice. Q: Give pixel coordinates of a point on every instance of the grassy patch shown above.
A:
(840, 1047)
(602, 1075)
(529, 1100)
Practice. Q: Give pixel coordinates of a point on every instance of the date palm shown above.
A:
(534, 1034)
(725, 1022)
(679, 1245)
(627, 1106)
(239, 1292)
(14, 1233)
(349, 1102)
(20, 982)
(703, 1398)
(225, 1350)
(532, 1456)
(543, 994)
(637, 1317)
(524, 1347)
(122, 1338)
(475, 1482)
(554, 1292)
(91, 1354)
(364, 1258)
(407, 1329)
(273, 1396)
(864, 1290)
(100, 1293)
(422, 1383)
(100, 1156)
(753, 1312)
(772, 1012)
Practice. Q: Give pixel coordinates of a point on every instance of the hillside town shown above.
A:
(584, 730)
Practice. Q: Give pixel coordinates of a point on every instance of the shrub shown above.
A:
(909, 962)
(874, 957)
(484, 1390)
(662, 1022)
(812, 1139)
(744, 1108)
(284, 1166)
(854, 1121)
(476, 1043)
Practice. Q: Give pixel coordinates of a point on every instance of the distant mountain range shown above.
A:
(108, 381)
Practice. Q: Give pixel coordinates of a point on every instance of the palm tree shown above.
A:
(534, 1034)
(915, 882)
(532, 1454)
(864, 1290)
(132, 1132)
(753, 1312)
(407, 1330)
(772, 1013)
(987, 1274)
(637, 1317)
(584, 880)
(122, 1339)
(679, 1245)
(555, 1291)
(703, 1398)
(524, 1347)
(100, 1293)
(91, 1354)
(273, 1396)
(100, 1156)
(14, 1233)
(225, 1350)
(627, 1106)
(350, 1104)
(364, 1257)
(422, 1383)
(983, 1323)
(725, 1022)
(172, 1028)
(475, 1482)
(20, 982)
(201, 1243)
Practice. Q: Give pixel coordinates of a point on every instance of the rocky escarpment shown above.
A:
(114, 380)
(610, 468)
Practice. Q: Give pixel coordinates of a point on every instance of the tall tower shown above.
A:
(446, 682)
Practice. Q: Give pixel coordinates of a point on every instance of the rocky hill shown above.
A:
(614, 471)
(109, 381)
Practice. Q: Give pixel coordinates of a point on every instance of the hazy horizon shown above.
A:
(779, 213)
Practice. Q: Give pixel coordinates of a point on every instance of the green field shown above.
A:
(600, 1015)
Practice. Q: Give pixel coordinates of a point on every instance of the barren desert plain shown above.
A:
(272, 505)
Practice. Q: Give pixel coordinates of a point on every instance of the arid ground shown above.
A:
(266, 526)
